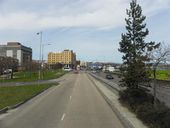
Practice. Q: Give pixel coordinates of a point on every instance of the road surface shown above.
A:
(115, 80)
(163, 88)
(75, 103)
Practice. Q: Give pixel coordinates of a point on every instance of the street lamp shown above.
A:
(39, 74)
(43, 53)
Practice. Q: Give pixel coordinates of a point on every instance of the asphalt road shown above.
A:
(75, 103)
(163, 89)
(115, 80)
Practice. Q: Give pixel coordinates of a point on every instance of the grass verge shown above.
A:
(163, 74)
(33, 76)
(13, 95)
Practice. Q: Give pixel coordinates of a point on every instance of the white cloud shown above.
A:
(20, 20)
(80, 13)
(153, 7)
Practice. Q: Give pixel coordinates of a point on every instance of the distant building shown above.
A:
(83, 64)
(78, 62)
(67, 57)
(18, 51)
(108, 68)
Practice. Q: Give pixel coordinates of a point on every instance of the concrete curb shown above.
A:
(124, 121)
(123, 118)
(4, 110)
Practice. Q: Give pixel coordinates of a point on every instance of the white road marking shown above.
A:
(70, 97)
(63, 117)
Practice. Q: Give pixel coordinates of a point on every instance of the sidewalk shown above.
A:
(57, 80)
(127, 118)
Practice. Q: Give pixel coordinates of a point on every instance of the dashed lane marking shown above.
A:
(63, 117)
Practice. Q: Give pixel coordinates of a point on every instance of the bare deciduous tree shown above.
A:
(158, 56)
(8, 63)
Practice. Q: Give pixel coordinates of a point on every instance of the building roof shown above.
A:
(13, 43)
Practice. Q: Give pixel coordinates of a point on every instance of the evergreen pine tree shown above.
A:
(134, 47)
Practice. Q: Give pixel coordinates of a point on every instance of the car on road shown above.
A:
(76, 71)
(94, 71)
(109, 76)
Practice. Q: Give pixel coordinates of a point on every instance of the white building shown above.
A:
(17, 51)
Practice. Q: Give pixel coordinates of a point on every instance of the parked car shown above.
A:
(108, 76)
(67, 69)
(7, 71)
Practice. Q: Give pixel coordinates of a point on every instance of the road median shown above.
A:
(127, 118)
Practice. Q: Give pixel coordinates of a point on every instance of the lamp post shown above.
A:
(43, 52)
(39, 73)
(42, 64)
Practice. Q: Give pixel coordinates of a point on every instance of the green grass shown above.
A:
(33, 76)
(162, 75)
(16, 94)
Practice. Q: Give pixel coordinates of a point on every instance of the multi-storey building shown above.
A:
(67, 57)
(18, 51)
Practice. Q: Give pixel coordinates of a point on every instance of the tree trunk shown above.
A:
(154, 87)
(12, 74)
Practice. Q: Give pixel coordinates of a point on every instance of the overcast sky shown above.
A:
(91, 28)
